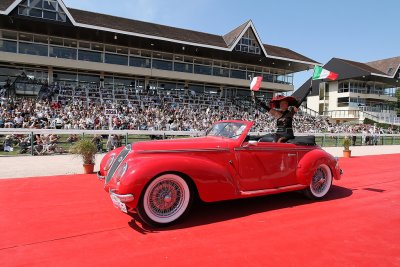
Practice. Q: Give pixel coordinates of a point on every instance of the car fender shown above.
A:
(309, 163)
(213, 179)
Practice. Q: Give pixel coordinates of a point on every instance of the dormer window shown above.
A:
(248, 43)
(44, 9)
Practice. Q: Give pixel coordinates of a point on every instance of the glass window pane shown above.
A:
(8, 35)
(200, 69)
(62, 17)
(33, 49)
(35, 13)
(64, 76)
(56, 41)
(178, 58)
(84, 45)
(89, 56)
(183, 67)
(63, 52)
(222, 72)
(238, 74)
(40, 39)
(116, 59)
(162, 64)
(36, 3)
(196, 88)
(111, 49)
(23, 11)
(122, 50)
(88, 78)
(97, 47)
(8, 46)
(70, 43)
(146, 53)
(139, 62)
(26, 37)
(49, 15)
(50, 5)
(135, 52)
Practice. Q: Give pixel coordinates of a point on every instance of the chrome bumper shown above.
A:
(100, 177)
(123, 198)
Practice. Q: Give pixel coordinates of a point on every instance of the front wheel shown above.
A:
(165, 200)
(320, 183)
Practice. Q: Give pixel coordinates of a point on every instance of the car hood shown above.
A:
(191, 144)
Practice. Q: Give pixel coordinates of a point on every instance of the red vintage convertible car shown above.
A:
(158, 180)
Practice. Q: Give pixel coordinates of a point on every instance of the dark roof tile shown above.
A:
(4, 4)
(277, 51)
(152, 29)
(389, 66)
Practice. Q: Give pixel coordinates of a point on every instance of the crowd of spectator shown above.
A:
(157, 114)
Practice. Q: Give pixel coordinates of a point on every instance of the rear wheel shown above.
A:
(320, 183)
(165, 200)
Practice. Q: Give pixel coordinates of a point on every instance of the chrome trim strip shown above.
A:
(183, 150)
(272, 190)
(100, 177)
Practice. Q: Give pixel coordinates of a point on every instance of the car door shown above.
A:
(265, 165)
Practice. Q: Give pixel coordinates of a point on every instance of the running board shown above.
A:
(273, 190)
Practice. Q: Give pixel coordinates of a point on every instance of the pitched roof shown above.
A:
(232, 36)
(4, 4)
(225, 42)
(362, 66)
(277, 51)
(136, 26)
(388, 66)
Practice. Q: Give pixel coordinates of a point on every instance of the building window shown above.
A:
(47, 9)
(249, 43)
(343, 101)
(62, 52)
(8, 46)
(116, 59)
(162, 64)
(89, 56)
(139, 62)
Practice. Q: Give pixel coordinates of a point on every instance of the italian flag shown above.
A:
(256, 83)
(321, 73)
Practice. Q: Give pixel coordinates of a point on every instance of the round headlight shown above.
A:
(120, 172)
(109, 163)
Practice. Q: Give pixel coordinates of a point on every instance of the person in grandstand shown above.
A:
(288, 106)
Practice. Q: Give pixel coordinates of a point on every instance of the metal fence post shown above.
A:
(32, 144)
(323, 140)
(337, 141)
(126, 139)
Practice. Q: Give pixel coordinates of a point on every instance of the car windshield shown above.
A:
(227, 129)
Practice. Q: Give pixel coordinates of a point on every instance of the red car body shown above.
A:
(216, 167)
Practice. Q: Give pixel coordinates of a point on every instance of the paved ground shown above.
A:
(32, 166)
(70, 221)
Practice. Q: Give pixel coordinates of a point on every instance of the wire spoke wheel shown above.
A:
(165, 200)
(320, 183)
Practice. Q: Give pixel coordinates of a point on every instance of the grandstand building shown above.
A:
(43, 41)
(363, 90)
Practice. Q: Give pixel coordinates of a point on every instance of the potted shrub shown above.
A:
(87, 150)
(346, 147)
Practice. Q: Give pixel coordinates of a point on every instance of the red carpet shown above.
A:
(70, 221)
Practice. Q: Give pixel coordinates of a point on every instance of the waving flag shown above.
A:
(256, 83)
(321, 73)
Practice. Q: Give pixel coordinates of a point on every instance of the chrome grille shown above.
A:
(120, 158)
